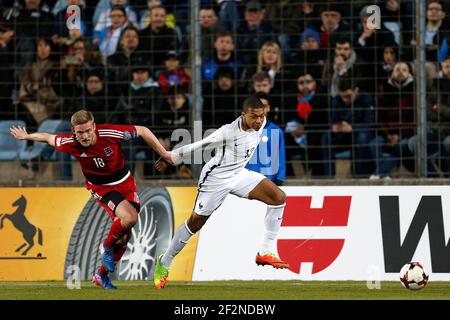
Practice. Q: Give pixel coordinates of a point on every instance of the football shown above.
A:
(413, 276)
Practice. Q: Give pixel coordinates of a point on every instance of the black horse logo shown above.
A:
(22, 224)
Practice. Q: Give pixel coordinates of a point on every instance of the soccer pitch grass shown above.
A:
(222, 290)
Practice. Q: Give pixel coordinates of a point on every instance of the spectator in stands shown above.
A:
(331, 26)
(173, 113)
(269, 157)
(157, 38)
(369, 43)
(310, 14)
(396, 119)
(85, 54)
(345, 65)
(270, 61)
(6, 71)
(230, 14)
(223, 56)
(66, 44)
(253, 33)
(399, 15)
(146, 15)
(261, 82)
(352, 129)
(445, 69)
(105, 19)
(180, 9)
(221, 102)
(308, 118)
(174, 75)
(75, 65)
(38, 99)
(310, 58)
(209, 25)
(29, 22)
(437, 37)
(138, 106)
(94, 98)
(120, 64)
(438, 138)
(309, 39)
(60, 32)
(6, 36)
(288, 19)
(390, 58)
(100, 7)
(108, 39)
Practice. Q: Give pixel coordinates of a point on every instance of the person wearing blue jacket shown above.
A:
(269, 158)
(224, 56)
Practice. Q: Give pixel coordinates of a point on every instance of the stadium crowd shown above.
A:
(337, 89)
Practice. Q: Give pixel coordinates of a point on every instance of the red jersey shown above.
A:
(104, 162)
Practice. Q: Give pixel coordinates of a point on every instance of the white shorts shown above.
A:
(211, 196)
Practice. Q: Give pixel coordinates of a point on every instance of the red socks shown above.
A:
(118, 253)
(102, 271)
(116, 232)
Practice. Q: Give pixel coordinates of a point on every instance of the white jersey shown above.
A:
(233, 149)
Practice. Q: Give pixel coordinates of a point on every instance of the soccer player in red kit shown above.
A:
(97, 148)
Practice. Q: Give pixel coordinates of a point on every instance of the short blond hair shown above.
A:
(81, 117)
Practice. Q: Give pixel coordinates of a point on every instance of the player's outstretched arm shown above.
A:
(21, 133)
(153, 143)
(214, 140)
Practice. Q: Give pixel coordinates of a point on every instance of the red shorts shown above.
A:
(109, 197)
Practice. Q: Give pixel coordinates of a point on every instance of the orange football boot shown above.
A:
(271, 260)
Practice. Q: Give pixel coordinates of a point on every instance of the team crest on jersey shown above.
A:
(136, 197)
(126, 135)
(108, 151)
(111, 205)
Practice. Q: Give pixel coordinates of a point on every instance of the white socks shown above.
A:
(272, 223)
(178, 242)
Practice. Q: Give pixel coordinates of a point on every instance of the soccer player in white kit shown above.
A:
(225, 173)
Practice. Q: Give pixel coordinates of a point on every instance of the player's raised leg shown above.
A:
(127, 218)
(192, 225)
(269, 193)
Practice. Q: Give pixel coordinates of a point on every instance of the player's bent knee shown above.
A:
(131, 217)
(196, 222)
(279, 198)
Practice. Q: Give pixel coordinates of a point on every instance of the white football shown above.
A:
(413, 276)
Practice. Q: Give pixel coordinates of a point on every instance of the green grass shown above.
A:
(223, 290)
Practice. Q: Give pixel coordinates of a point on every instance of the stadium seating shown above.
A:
(38, 149)
(10, 147)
